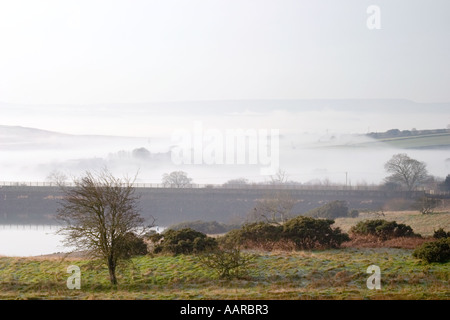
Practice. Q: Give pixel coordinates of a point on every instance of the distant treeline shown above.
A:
(396, 133)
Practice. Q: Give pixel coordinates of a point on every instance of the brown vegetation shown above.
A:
(375, 242)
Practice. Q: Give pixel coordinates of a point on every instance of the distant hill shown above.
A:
(26, 138)
(412, 139)
(396, 133)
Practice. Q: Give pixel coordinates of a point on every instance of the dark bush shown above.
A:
(382, 229)
(261, 231)
(310, 233)
(261, 234)
(440, 233)
(303, 232)
(184, 241)
(437, 251)
(207, 227)
(331, 210)
(133, 245)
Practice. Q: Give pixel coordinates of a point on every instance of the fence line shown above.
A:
(204, 186)
(27, 226)
(269, 186)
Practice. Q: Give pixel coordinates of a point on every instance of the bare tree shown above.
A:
(274, 208)
(100, 212)
(176, 179)
(57, 177)
(280, 177)
(406, 171)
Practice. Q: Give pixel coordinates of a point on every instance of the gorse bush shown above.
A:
(207, 227)
(310, 233)
(332, 210)
(184, 241)
(133, 245)
(437, 251)
(302, 232)
(258, 232)
(440, 233)
(382, 229)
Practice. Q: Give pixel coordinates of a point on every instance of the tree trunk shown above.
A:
(112, 270)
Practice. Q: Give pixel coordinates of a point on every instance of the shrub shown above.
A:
(382, 229)
(228, 263)
(437, 251)
(440, 233)
(261, 231)
(184, 241)
(309, 233)
(207, 227)
(331, 210)
(133, 245)
(300, 232)
(261, 234)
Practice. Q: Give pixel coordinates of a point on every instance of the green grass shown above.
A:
(330, 274)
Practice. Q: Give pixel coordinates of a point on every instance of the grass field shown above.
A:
(328, 274)
(423, 224)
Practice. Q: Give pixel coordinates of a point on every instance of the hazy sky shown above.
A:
(82, 52)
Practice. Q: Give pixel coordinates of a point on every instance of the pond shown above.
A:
(32, 240)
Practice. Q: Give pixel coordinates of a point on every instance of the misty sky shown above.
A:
(148, 68)
(87, 52)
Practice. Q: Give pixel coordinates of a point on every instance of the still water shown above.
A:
(32, 240)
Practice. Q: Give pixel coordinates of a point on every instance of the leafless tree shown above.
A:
(98, 214)
(279, 177)
(406, 171)
(57, 177)
(176, 179)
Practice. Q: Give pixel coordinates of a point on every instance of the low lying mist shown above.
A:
(319, 141)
